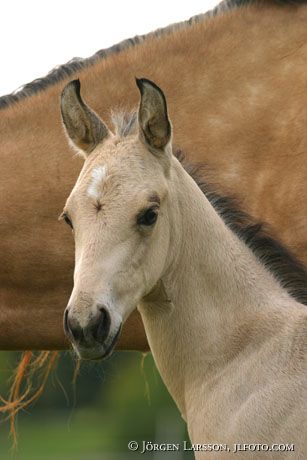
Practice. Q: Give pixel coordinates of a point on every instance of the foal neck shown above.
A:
(214, 302)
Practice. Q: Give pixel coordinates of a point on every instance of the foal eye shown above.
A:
(67, 220)
(148, 217)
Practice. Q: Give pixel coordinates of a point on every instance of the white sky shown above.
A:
(37, 35)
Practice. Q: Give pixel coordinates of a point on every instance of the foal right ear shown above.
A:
(84, 128)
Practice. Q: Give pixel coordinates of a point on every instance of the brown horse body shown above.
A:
(248, 116)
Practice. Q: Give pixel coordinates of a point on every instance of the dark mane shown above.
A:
(75, 65)
(287, 269)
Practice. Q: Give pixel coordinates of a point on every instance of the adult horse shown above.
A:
(224, 319)
(245, 118)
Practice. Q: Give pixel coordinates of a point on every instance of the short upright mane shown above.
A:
(75, 65)
(287, 269)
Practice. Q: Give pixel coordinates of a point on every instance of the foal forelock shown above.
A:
(124, 123)
(75, 65)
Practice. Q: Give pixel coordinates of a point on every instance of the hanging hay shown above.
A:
(31, 368)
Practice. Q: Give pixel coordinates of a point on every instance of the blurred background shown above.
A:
(112, 403)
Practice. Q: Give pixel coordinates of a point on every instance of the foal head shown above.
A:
(120, 213)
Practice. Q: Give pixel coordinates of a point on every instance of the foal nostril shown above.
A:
(72, 328)
(101, 329)
(97, 329)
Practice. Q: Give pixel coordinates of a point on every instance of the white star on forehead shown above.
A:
(95, 188)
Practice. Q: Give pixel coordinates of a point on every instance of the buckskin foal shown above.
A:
(227, 336)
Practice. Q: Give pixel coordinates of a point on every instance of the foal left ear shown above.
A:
(153, 118)
(83, 126)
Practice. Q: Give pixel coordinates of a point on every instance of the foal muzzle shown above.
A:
(97, 339)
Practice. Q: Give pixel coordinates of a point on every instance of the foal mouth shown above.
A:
(99, 352)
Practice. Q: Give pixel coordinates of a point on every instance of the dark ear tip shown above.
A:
(143, 82)
(75, 85)
(140, 84)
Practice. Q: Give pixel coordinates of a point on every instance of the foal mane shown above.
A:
(279, 260)
(77, 64)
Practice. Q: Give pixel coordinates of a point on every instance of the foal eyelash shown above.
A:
(64, 216)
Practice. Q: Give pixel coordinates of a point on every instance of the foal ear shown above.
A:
(83, 126)
(153, 118)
